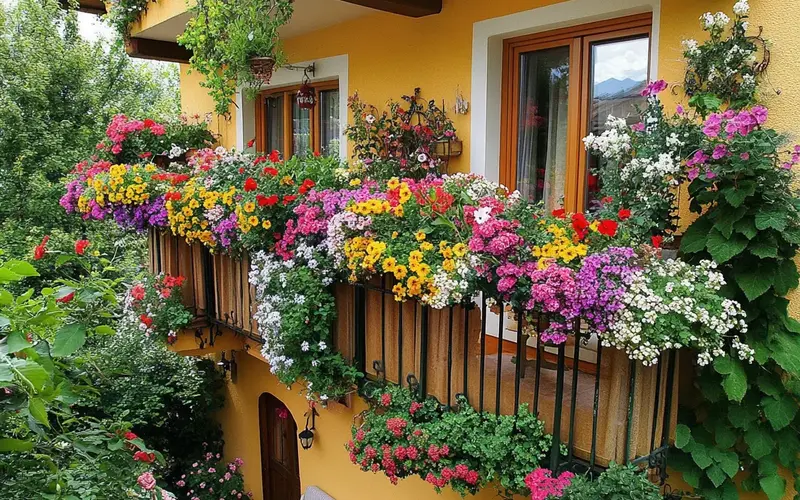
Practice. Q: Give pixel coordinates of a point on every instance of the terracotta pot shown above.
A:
(262, 67)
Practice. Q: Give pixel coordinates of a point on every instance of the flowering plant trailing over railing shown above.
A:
(616, 483)
(460, 448)
(154, 305)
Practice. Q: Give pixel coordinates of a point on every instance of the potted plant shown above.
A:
(236, 43)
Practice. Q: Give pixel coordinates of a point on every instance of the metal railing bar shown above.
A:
(499, 367)
(576, 357)
(596, 403)
(450, 357)
(555, 448)
(631, 397)
(521, 359)
(483, 351)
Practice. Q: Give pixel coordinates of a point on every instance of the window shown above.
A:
(559, 86)
(282, 125)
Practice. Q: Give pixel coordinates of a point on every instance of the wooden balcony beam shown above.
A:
(89, 6)
(410, 8)
(157, 50)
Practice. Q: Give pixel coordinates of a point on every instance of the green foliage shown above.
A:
(57, 94)
(749, 222)
(616, 483)
(224, 35)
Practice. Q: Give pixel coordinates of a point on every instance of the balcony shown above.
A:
(603, 406)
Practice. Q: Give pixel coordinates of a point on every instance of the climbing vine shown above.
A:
(749, 223)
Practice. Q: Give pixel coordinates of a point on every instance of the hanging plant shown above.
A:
(235, 43)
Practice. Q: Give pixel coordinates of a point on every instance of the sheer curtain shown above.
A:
(542, 136)
(329, 121)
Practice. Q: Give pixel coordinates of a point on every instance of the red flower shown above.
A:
(141, 456)
(146, 320)
(241, 170)
(81, 246)
(307, 184)
(173, 281)
(251, 142)
(607, 227)
(580, 225)
(559, 212)
(260, 159)
(130, 436)
(275, 156)
(266, 201)
(66, 298)
(250, 184)
(607, 199)
(148, 123)
(317, 154)
(386, 399)
(40, 250)
(657, 240)
(289, 198)
(271, 171)
(145, 155)
(624, 213)
(137, 292)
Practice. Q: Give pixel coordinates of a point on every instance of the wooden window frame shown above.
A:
(579, 39)
(288, 92)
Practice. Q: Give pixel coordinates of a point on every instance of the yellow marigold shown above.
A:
(400, 271)
(423, 270)
(249, 207)
(399, 211)
(399, 292)
(194, 203)
(394, 234)
(447, 253)
(389, 264)
(355, 182)
(581, 250)
(415, 256)
(187, 211)
(253, 220)
(460, 249)
(449, 265)
(286, 181)
(266, 224)
(393, 183)
(420, 235)
(536, 251)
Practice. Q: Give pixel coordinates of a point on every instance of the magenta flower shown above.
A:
(654, 88)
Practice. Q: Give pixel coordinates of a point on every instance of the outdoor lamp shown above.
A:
(306, 436)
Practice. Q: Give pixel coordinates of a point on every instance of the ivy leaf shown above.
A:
(772, 218)
(754, 280)
(683, 435)
(695, 237)
(759, 442)
(786, 277)
(774, 486)
(779, 411)
(69, 339)
(716, 475)
(723, 249)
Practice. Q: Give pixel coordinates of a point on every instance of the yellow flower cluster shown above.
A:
(187, 216)
(561, 247)
(121, 184)
(362, 254)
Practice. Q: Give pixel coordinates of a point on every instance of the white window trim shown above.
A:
(487, 57)
(325, 69)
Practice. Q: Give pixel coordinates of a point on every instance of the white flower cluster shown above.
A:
(665, 169)
(671, 304)
(268, 273)
(691, 47)
(614, 143)
(741, 8)
(714, 21)
(450, 287)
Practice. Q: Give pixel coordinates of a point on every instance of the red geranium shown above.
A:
(266, 201)
(306, 185)
(289, 198)
(607, 227)
(250, 184)
(130, 436)
(251, 142)
(66, 298)
(260, 159)
(40, 250)
(657, 240)
(580, 225)
(559, 212)
(173, 281)
(624, 213)
(148, 123)
(141, 456)
(270, 171)
(146, 320)
(137, 292)
(81, 246)
(275, 156)
(607, 199)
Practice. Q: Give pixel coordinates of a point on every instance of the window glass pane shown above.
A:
(274, 123)
(329, 121)
(618, 74)
(542, 131)
(301, 129)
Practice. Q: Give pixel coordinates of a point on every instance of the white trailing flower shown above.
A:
(741, 8)
(614, 143)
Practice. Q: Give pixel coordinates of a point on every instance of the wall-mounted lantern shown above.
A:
(306, 436)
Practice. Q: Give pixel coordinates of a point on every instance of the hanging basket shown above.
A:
(262, 67)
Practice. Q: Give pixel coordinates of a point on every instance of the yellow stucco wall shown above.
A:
(388, 56)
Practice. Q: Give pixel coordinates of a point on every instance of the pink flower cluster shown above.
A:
(732, 122)
(544, 486)
(654, 88)
(460, 471)
(120, 127)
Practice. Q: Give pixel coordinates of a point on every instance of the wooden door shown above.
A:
(280, 470)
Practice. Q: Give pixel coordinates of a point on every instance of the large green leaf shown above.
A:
(779, 411)
(16, 342)
(759, 442)
(786, 350)
(716, 475)
(774, 218)
(765, 247)
(754, 280)
(735, 195)
(9, 445)
(786, 277)
(723, 249)
(7, 275)
(700, 455)
(34, 373)
(22, 268)
(747, 227)
(69, 339)
(38, 411)
(683, 436)
(774, 486)
(695, 237)
(729, 462)
(734, 377)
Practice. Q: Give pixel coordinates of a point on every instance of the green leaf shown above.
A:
(772, 218)
(716, 475)
(774, 486)
(16, 342)
(7, 275)
(779, 411)
(6, 298)
(724, 435)
(729, 463)
(69, 339)
(38, 411)
(700, 455)
(759, 442)
(767, 467)
(765, 247)
(747, 227)
(34, 373)
(22, 268)
(786, 277)
(734, 377)
(725, 220)
(682, 436)
(723, 249)
(8, 445)
(695, 237)
(104, 330)
(692, 477)
(754, 280)
(736, 195)
(742, 415)
(786, 350)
